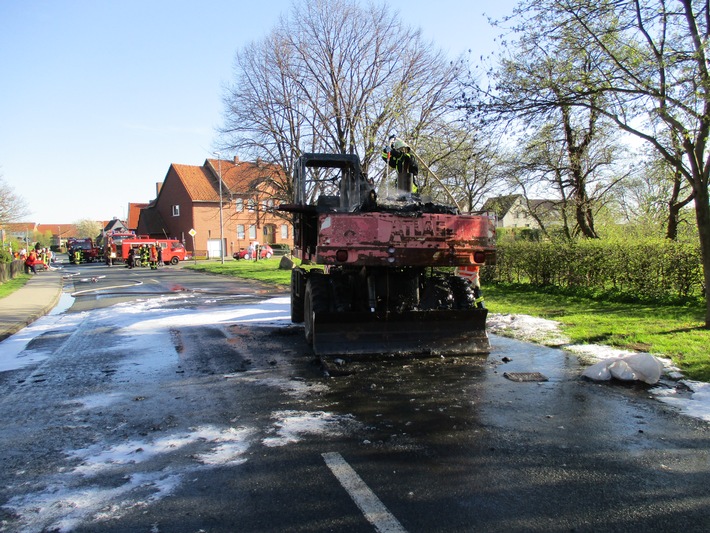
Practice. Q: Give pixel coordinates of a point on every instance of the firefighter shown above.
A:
(473, 274)
(400, 157)
(131, 257)
(153, 257)
(30, 262)
(144, 255)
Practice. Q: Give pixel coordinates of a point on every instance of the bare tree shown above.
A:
(468, 162)
(12, 206)
(334, 76)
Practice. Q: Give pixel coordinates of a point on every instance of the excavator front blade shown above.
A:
(430, 333)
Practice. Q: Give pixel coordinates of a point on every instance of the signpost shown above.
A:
(192, 234)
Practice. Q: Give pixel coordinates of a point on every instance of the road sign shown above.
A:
(192, 233)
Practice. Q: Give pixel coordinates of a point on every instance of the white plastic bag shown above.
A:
(646, 367)
(639, 366)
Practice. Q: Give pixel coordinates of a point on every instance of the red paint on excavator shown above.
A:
(386, 239)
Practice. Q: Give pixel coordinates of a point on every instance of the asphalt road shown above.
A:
(240, 429)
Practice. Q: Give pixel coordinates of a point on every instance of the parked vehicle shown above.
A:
(265, 252)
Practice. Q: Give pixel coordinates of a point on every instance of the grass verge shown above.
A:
(675, 332)
(12, 285)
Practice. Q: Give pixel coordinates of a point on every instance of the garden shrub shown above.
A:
(650, 269)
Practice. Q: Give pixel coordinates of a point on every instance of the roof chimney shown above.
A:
(236, 159)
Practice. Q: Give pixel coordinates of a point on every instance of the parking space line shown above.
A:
(374, 510)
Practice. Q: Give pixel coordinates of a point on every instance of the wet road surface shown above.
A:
(174, 405)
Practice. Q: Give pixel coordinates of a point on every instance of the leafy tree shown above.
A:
(572, 146)
(86, 228)
(646, 70)
(656, 197)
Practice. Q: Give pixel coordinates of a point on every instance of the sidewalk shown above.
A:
(34, 300)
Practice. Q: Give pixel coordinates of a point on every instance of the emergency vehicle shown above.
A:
(82, 251)
(173, 251)
(112, 248)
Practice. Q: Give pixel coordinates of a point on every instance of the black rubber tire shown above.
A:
(297, 277)
(316, 301)
(174, 260)
(463, 293)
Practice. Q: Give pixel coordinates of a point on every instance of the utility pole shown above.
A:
(221, 230)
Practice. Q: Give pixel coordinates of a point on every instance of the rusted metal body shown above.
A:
(383, 288)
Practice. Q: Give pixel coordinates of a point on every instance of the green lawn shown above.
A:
(672, 331)
(12, 285)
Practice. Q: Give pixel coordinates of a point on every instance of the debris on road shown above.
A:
(524, 376)
(636, 367)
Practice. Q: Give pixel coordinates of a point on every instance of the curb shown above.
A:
(52, 295)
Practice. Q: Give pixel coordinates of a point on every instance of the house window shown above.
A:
(176, 210)
(240, 206)
(251, 204)
(252, 232)
(240, 231)
(284, 231)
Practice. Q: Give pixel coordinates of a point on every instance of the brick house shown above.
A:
(188, 198)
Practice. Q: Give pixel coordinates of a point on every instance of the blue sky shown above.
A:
(99, 97)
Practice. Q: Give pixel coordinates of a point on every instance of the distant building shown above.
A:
(115, 226)
(29, 232)
(188, 199)
(514, 211)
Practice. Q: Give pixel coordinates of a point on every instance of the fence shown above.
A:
(10, 270)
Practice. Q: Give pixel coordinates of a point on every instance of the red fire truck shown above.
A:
(172, 250)
(112, 247)
(82, 251)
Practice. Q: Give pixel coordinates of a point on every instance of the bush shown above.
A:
(5, 256)
(651, 269)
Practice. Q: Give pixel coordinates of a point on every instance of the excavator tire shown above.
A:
(297, 296)
(315, 302)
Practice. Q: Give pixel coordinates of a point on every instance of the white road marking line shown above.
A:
(370, 505)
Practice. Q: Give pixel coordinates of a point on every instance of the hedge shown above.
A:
(649, 269)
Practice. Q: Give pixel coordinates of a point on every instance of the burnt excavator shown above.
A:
(378, 275)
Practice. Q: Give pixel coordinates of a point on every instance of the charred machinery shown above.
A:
(381, 274)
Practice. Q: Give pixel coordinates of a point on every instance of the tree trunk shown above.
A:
(583, 212)
(672, 227)
(702, 216)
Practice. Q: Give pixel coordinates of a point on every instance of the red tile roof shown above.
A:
(238, 177)
(63, 230)
(134, 212)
